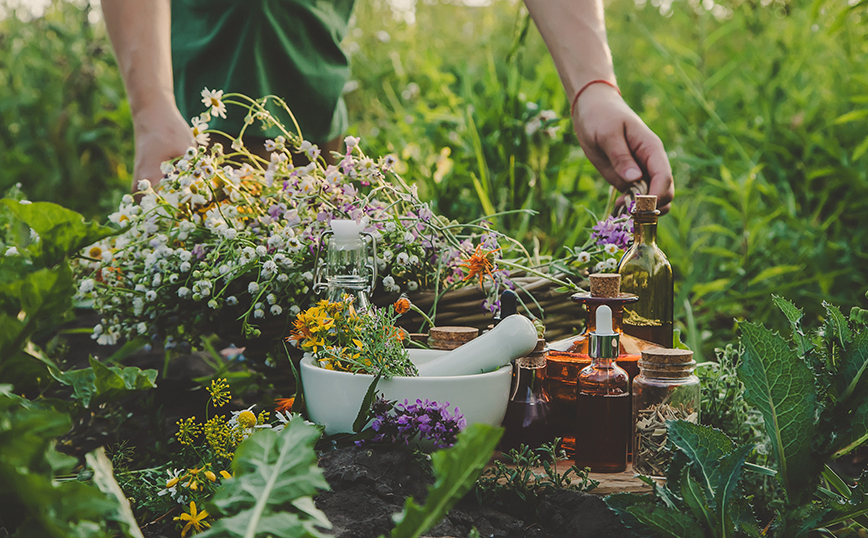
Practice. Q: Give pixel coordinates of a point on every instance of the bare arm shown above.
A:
(614, 138)
(140, 32)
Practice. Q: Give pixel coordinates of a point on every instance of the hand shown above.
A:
(161, 135)
(620, 145)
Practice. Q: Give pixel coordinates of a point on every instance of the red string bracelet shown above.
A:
(585, 87)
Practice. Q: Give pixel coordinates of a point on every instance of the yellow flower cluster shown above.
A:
(188, 431)
(219, 391)
(222, 437)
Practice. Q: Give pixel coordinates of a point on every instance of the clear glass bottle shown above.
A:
(646, 272)
(602, 403)
(665, 389)
(346, 270)
(528, 412)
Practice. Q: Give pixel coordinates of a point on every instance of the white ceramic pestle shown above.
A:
(512, 338)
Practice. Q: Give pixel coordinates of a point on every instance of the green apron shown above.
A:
(287, 48)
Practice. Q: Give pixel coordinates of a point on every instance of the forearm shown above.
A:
(140, 33)
(575, 33)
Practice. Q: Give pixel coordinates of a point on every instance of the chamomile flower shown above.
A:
(198, 129)
(611, 249)
(583, 257)
(214, 101)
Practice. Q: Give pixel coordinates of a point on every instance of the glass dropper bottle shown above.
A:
(602, 403)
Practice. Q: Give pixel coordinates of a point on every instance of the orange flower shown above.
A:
(402, 305)
(284, 404)
(479, 263)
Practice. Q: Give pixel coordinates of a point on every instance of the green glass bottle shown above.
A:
(646, 272)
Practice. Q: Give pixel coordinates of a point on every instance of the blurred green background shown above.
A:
(762, 105)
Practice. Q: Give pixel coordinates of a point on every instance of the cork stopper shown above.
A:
(645, 203)
(451, 337)
(605, 284)
(663, 363)
(662, 355)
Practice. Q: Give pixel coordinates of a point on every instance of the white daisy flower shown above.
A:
(198, 130)
(214, 101)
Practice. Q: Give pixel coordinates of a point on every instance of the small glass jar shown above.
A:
(665, 389)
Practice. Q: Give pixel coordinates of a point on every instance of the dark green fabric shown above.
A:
(288, 48)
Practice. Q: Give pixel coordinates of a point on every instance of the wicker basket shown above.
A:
(561, 316)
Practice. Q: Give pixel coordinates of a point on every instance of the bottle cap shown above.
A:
(605, 284)
(347, 233)
(604, 342)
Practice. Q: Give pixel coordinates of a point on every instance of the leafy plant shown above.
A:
(814, 408)
(33, 502)
(36, 290)
(275, 478)
(516, 487)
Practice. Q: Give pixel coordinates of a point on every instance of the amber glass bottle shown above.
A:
(646, 272)
(602, 403)
(528, 412)
(569, 356)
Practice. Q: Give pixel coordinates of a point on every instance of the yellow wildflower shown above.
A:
(195, 520)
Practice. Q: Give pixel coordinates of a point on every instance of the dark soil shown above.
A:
(369, 485)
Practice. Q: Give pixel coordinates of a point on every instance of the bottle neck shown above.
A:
(645, 229)
(645, 232)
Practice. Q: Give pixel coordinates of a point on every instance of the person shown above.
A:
(247, 45)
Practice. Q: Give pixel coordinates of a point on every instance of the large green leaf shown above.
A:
(704, 447)
(693, 495)
(455, 471)
(274, 475)
(62, 232)
(730, 469)
(621, 502)
(779, 383)
(100, 383)
(838, 323)
(794, 315)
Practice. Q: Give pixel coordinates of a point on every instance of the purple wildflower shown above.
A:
(613, 230)
(428, 420)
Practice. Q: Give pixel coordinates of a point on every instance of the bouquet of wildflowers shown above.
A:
(229, 235)
(338, 338)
